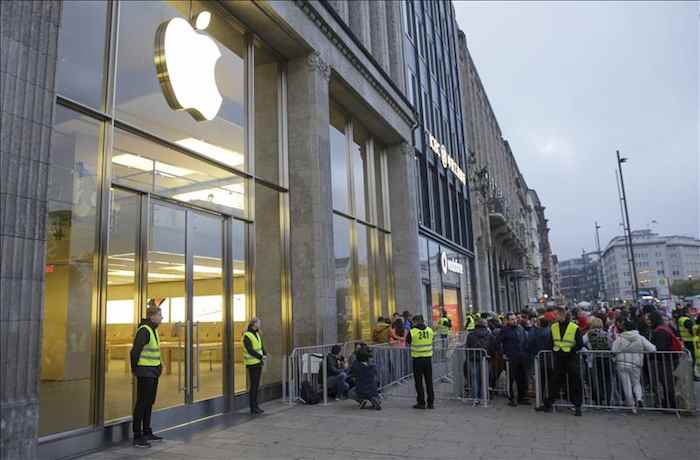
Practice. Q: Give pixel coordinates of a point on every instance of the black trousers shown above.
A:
(254, 373)
(565, 366)
(518, 376)
(146, 388)
(423, 373)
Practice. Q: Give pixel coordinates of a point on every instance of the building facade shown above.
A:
(257, 160)
(443, 209)
(580, 278)
(511, 241)
(660, 260)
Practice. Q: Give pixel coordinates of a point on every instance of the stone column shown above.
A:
(27, 71)
(395, 43)
(404, 226)
(359, 21)
(378, 32)
(311, 218)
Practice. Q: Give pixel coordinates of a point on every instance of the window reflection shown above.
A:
(363, 283)
(343, 278)
(139, 98)
(360, 171)
(67, 340)
(148, 166)
(339, 162)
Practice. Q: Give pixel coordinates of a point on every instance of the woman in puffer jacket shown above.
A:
(629, 347)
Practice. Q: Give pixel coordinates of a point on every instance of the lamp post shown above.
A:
(635, 282)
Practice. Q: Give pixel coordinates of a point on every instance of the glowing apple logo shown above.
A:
(185, 63)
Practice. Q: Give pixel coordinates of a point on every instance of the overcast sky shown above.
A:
(570, 83)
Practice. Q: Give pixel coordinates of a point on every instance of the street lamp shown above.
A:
(621, 160)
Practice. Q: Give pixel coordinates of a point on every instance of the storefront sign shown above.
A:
(185, 63)
(450, 265)
(446, 159)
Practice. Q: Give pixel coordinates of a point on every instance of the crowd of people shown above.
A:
(622, 356)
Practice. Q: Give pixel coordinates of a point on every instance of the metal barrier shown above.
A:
(308, 364)
(661, 381)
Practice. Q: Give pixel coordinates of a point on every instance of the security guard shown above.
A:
(254, 356)
(444, 325)
(420, 341)
(471, 323)
(685, 330)
(146, 367)
(566, 341)
(696, 338)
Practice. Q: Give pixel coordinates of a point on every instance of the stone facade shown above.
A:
(511, 241)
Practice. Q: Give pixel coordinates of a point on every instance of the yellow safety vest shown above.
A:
(256, 342)
(443, 327)
(686, 335)
(471, 324)
(696, 339)
(567, 342)
(150, 354)
(421, 343)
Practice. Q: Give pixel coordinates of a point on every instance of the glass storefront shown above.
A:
(364, 283)
(148, 202)
(446, 282)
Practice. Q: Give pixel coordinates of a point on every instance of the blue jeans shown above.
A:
(339, 384)
(475, 374)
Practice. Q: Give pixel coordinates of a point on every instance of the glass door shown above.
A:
(451, 299)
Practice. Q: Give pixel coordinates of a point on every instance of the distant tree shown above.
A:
(686, 288)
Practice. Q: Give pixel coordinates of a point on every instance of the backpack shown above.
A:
(676, 344)
(308, 395)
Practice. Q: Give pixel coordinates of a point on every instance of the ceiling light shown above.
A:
(147, 164)
(214, 152)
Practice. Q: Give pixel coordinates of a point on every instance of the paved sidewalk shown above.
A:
(452, 431)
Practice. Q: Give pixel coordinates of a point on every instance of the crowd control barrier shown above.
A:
(608, 380)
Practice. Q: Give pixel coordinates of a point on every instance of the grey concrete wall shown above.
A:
(404, 226)
(358, 13)
(397, 66)
(27, 71)
(312, 264)
(378, 33)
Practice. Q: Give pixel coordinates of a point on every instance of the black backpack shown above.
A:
(308, 395)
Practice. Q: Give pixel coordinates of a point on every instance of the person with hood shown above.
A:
(479, 339)
(629, 347)
(146, 367)
(367, 387)
(513, 342)
(254, 356)
(336, 372)
(380, 331)
(420, 341)
(566, 341)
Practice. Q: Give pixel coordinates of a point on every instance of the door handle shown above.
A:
(196, 363)
(180, 386)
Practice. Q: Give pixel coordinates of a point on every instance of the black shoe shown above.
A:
(363, 404)
(577, 412)
(430, 406)
(150, 437)
(544, 409)
(376, 405)
(260, 411)
(419, 406)
(141, 442)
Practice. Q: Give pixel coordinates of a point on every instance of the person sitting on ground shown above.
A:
(367, 387)
(380, 331)
(337, 374)
(629, 347)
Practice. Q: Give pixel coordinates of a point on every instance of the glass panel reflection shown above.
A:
(343, 278)
(239, 241)
(339, 162)
(140, 100)
(148, 166)
(207, 305)
(66, 378)
(122, 310)
(360, 171)
(363, 283)
(166, 280)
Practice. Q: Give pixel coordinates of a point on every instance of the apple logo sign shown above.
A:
(185, 62)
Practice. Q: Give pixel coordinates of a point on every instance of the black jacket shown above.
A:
(141, 340)
(366, 375)
(249, 346)
(513, 340)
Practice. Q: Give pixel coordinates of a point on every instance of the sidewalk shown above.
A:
(452, 431)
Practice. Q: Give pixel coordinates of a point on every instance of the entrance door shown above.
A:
(184, 274)
(453, 307)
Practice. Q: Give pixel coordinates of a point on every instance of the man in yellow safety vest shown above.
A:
(685, 330)
(146, 367)
(566, 341)
(420, 341)
(471, 322)
(254, 356)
